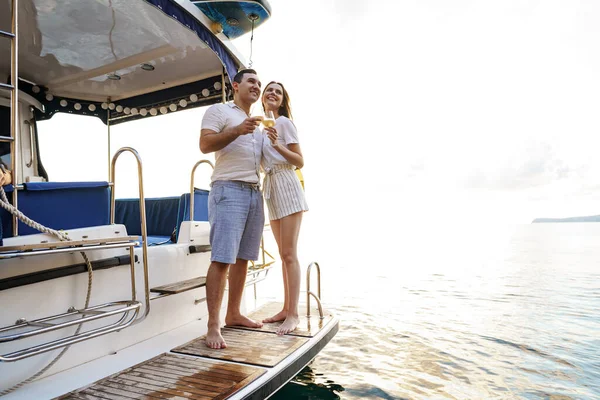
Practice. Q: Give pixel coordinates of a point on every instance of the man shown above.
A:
(235, 204)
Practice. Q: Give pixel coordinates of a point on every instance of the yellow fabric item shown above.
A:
(300, 177)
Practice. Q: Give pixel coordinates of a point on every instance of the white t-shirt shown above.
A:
(240, 159)
(287, 134)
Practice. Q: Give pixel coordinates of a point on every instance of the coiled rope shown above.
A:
(63, 237)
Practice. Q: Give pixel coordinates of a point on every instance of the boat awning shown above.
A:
(138, 54)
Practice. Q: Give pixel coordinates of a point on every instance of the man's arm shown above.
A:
(213, 141)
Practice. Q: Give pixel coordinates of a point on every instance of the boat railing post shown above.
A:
(310, 293)
(192, 185)
(142, 219)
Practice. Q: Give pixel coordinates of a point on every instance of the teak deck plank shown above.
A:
(246, 346)
(178, 287)
(308, 327)
(68, 243)
(193, 380)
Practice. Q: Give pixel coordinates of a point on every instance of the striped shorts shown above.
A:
(283, 191)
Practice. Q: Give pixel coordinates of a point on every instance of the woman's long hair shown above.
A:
(286, 107)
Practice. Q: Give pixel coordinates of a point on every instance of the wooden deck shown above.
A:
(308, 327)
(172, 376)
(194, 371)
(245, 346)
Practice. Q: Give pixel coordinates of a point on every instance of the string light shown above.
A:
(181, 103)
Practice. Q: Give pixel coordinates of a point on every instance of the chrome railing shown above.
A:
(142, 219)
(192, 185)
(310, 293)
(128, 309)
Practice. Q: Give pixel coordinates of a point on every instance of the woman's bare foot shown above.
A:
(280, 316)
(242, 320)
(214, 340)
(289, 325)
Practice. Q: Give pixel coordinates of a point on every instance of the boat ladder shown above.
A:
(311, 293)
(124, 313)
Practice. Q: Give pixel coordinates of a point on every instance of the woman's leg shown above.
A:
(280, 316)
(289, 230)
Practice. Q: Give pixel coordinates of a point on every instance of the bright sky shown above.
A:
(425, 111)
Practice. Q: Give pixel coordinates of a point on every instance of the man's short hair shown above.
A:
(240, 75)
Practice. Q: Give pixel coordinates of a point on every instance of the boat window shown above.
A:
(73, 148)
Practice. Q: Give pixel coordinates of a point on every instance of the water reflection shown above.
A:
(521, 323)
(310, 385)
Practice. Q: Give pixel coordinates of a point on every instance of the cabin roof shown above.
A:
(107, 58)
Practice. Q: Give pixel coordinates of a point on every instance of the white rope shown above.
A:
(63, 237)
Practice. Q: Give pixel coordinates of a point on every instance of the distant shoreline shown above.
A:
(592, 218)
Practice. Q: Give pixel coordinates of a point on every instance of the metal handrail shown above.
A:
(89, 314)
(56, 344)
(192, 185)
(130, 305)
(31, 143)
(14, 115)
(142, 219)
(32, 253)
(309, 293)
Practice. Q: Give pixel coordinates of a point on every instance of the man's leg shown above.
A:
(215, 286)
(237, 280)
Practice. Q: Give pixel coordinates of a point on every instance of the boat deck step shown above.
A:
(172, 376)
(254, 365)
(308, 326)
(178, 287)
(243, 346)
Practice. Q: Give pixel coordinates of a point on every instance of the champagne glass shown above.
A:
(269, 119)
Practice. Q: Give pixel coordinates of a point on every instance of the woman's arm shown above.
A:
(291, 153)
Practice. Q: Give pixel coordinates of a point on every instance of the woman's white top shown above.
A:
(287, 134)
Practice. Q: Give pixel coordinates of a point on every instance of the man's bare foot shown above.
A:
(214, 340)
(242, 320)
(280, 316)
(289, 325)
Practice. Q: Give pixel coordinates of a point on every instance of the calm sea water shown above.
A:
(513, 313)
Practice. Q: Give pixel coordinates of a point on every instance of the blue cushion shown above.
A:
(5, 216)
(61, 205)
(161, 215)
(200, 207)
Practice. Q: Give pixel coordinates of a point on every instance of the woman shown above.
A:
(284, 197)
